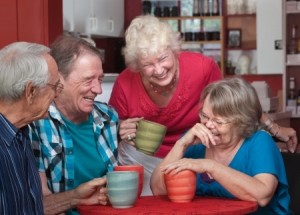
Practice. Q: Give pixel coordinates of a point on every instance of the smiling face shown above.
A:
(223, 129)
(81, 87)
(159, 70)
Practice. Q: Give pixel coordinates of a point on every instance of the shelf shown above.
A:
(240, 49)
(241, 15)
(293, 60)
(203, 42)
(246, 45)
(247, 26)
(293, 12)
(190, 27)
(190, 17)
(295, 116)
(292, 7)
(291, 65)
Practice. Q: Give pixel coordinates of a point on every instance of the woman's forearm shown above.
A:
(259, 188)
(157, 181)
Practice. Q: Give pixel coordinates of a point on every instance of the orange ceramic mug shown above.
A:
(137, 168)
(181, 187)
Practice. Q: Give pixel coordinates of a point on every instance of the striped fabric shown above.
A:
(20, 186)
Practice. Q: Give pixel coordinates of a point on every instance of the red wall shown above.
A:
(37, 21)
(132, 9)
(274, 81)
(8, 22)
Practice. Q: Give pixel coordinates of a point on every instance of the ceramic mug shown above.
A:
(149, 136)
(139, 169)
(181, 187)
(122, 188)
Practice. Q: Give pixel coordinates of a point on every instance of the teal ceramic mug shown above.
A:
(122, 188)
(149, 136)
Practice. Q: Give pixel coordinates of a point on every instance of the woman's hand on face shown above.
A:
(199, 133)
(128, 128)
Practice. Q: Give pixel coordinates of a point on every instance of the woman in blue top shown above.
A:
(233, 157)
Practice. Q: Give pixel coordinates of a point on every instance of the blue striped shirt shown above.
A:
(53, 145)
(20, 185)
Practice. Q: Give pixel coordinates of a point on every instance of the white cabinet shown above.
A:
(94, 17)
(270, 53)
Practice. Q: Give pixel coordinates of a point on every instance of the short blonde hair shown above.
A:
(148, 36)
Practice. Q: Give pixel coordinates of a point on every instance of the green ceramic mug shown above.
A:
(122, 188)
(149, 136)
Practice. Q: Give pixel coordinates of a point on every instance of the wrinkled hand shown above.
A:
(199, 133)
(128, 128)
(92, 192)
(288, 135)
(196, 165)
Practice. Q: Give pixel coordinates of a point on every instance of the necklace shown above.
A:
(166, 91)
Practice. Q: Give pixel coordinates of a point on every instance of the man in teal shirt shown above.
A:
(77, 144)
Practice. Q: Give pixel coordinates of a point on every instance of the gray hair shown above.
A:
(236, 100)
(148, 36)
(67, 49)
(20, 63)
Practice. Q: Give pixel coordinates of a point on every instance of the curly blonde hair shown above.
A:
(148, 36)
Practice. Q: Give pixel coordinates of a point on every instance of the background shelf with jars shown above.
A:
(200, 23)
(292, 49)
(260, 28)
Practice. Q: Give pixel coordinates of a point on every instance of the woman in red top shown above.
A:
(161, 83)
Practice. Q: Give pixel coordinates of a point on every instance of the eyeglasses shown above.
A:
(217, 123)
(58, 87)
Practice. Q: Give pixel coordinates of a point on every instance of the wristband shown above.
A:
(269, 124)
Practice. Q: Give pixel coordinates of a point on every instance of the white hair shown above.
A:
(148, 36)
(20, 63)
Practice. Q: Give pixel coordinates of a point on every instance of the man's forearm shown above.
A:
(59, 202)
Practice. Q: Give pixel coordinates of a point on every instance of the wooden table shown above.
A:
(150, 205)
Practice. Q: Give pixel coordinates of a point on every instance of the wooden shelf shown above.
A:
(189, 17)
(203, 42)
(246, 45)
(293, 60)
(292, 7)
(189, 24)
(200, 45)
(291, 17)
(293, 12)
(241, 15)
(246, 23)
